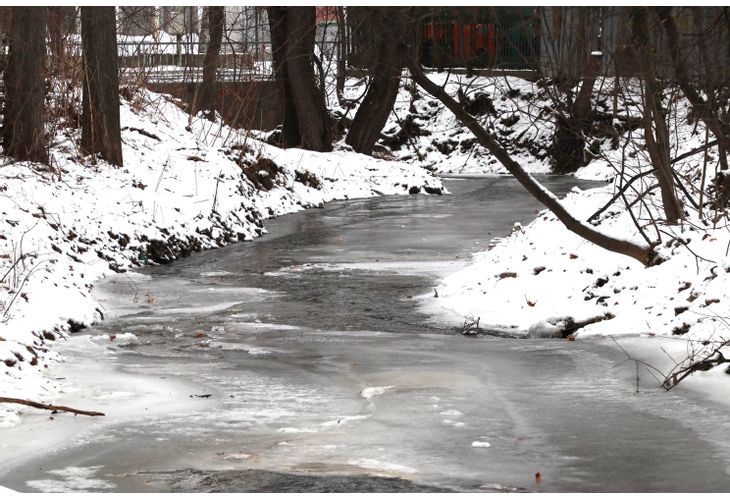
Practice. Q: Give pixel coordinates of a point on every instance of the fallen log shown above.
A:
(563, 327)
(42, 406)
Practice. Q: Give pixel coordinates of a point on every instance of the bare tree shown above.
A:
(385, 75)
(100, 132)
(23, 133)
(290, 126)
(701, 106)
(292, 40)
(342, 43)
(575, 122)
(656, 132)
(644, 254)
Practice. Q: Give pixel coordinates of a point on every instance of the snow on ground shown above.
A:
(533, 280)
(422, 131)
(190, 184)
(187, 184)
(543, 271)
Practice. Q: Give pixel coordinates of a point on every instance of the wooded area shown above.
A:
(368, 40)
(461, 193)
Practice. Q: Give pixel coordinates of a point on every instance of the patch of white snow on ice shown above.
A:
(369, 392)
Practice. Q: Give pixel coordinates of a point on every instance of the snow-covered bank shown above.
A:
(187, 185)
(542, 273)
(421, 131)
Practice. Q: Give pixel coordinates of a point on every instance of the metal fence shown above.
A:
(183, 61)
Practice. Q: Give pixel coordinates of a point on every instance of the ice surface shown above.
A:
(562, 408)
(183, 185)
(71, 480)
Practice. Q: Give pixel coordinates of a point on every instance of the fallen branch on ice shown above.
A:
(692, 364)
(51, 407)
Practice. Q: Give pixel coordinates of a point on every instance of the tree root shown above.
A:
(42, 406)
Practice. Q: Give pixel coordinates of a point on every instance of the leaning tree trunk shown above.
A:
(207, 97)
(385, 74)
(643, 254)
(100, 133)
(23, 134)
(277, 26)
(315, 128)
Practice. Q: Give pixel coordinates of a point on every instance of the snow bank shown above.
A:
(188, 184)
(423, 132)
(542, 274)
(543, 271)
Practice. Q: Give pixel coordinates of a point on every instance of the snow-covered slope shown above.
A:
(423, 132)
(543, 272)
(187, 184)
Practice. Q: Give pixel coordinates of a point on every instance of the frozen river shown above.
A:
(303, 362)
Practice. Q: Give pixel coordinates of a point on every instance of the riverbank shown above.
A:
(543, 271)
(368, 390)
(542, 278)
(188, 184)
(421, 131)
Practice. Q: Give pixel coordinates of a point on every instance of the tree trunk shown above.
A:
(643, 254)
(306, 122)
(315, 129)
(656, 134)
(203, 30)
(207, 98)
(100, 133)
(569, 143)
(55, 36)
(290, 126)
(385, 74)
(437, 29)
(341, 53)
(23, 134)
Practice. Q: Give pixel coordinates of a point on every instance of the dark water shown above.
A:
(353, 265)
(309, 368)
(262, 481)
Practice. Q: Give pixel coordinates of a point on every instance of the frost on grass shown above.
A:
(188, 184)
